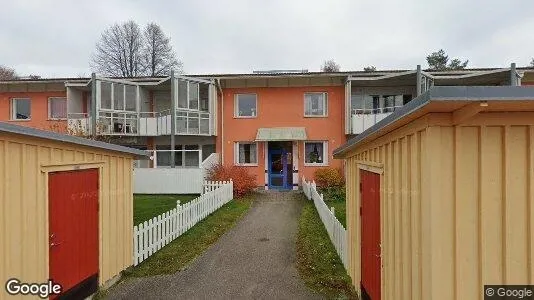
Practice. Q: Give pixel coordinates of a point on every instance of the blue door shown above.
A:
(278, 169)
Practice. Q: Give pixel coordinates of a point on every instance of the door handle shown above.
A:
(54, 244)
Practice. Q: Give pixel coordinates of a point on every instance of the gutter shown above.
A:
(222, 119)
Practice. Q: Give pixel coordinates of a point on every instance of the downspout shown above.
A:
(94, 97)
(513, 75)
(173, 118)
(222, 119)
(419, 80)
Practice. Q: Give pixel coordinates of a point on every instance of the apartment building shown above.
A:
(280, 125)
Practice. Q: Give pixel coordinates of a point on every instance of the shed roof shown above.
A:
(443, 99)
(28, 131)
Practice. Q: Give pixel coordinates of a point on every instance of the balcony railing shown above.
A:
(79, 124)
(111, 122)
(362, 119)
(117, 123)
(192, 122)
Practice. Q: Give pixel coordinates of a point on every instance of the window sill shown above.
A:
(20, 120)
(245, 117)
(315, 165)
(246, 165)
(313, 116)
(56, 119)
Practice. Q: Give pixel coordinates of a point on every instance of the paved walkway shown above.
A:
(254, 260)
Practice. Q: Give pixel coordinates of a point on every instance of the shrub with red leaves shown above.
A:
(244, 182)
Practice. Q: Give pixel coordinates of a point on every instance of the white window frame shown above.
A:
(13, 116)
(236, 155)
(325, 105)
(236, 106)
(50, 108)
(325, 154)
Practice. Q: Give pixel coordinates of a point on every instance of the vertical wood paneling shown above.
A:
(24, 207)
(467, 212)
(391, 219)
(491, 204)
(404, 221)
(3, 207)
(14, 218)
(456, 209)
(516, 205)
(530, 204)
(415, 205)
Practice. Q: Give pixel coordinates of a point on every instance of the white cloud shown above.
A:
(56, 38)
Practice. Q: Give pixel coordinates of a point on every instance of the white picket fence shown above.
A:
(336, 231)
(154, 234)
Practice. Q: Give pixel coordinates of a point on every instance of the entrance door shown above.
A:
(370, 232)
(73, 231)
(277, 169)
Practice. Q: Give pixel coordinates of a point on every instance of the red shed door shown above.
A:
(73, 231)
(370, 226)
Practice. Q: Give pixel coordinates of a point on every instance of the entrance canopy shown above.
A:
(281, 134)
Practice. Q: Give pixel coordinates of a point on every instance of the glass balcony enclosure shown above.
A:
(143, 107)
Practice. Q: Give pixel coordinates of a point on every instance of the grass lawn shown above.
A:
(180, 252)
(148, 206)
(317, 261)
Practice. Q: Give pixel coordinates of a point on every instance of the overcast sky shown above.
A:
(56, 38)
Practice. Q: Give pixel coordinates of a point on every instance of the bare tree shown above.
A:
(369, 69)
(119, 51)
(330, 66)
(158, 56)
(532, 63)
(7, 73)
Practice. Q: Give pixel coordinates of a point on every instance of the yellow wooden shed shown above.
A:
(65, 209)
(440, 195)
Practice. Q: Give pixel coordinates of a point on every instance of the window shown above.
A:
(316, 153)
(20, 109)
(245, 106)
(246, 154)
(57, 108)
(315, 104)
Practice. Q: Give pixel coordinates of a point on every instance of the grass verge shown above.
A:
(180, 252)
(147, 206)
(317, 261)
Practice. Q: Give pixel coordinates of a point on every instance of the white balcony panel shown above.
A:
(164, 125)
(361, 122)
(79, 126)
(148, 126)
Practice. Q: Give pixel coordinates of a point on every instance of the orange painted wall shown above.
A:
(39, 110)
(282, 107)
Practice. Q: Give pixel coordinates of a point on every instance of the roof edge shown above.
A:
(44, 134)
(437, 94)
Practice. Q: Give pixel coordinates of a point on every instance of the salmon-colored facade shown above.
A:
(136, 112)
(39, 110)
(281, 107)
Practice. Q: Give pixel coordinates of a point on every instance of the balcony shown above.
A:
(79, 124)
(362, 119)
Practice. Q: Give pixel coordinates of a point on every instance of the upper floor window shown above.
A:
(57, 108)
(245, 106)
(315, 104)
(20, 109)
(246, 153)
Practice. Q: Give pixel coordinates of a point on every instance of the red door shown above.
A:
(370, 226)
(73, 231)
